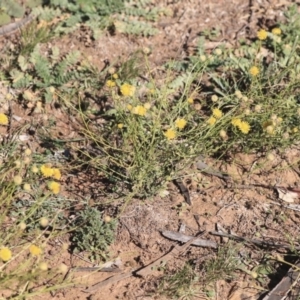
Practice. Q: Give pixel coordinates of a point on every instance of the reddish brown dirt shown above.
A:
(249, 212)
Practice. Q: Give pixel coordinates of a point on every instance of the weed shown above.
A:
(92, 233)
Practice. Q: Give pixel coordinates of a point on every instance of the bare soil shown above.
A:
(248, 212)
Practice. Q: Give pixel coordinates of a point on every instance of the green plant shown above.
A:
(92, 233)
(120, 15)
(49, 76)
(182, 284)
(222, 265)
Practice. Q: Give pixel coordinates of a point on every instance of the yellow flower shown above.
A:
(254, 71)
(110, 83)
(46, 170)
(276, 31)
(217, 113)
(170, 134)
(129, 107)
(120, 125)
(5, 254)
(3, 119)
(180, 123)
(211, 121)
(34, 169)
(262, 34)
(18, 180)
(147, 105)
(43, 266)
(139, 110)
(214, 98)
(127, 89)
(27, 187)
(54, 187)
(236, 122)
(270, 129)
(56, 173)
(115, 76)
(295, 130)
(244, 127)
(238, 94)
(35, 250)
(190, 100)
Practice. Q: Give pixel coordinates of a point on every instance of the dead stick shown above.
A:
(255, 241)
(175, 251)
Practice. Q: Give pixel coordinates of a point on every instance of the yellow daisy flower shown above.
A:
(127, 89)
(190, 100)
(56, 173)
(54, 187)
(211, 121)
(46, 170)
(254, 71)
(139, 110)
(35, 250)
(5, 254)
(115, 76)
(170, 134)
(180, 123)
(236, 122)
(244, 127)
(276, 31)
(3, 119)
(262, 34)
(120, 125)
(217, 113)
(110, 83)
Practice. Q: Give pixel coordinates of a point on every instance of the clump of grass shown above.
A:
(183, 284)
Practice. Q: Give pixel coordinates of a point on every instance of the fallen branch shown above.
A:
(180, 237)
(252, 241)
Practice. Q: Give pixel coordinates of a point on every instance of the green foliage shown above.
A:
(182, 284)
(92, 233)
(223, 264)
(131, 17)
(51, 74)
(12, 8)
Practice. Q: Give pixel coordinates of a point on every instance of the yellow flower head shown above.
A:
(46, 170)
(214, 98)
(147, 105)
(211, 121)
(3, 119)
(217, 113)
(180, 123)
(54, 187)
(115, 76)
(238, 94)
(56, 173)
(276, 31)
(18, 179)
(110, 83)
(190, 100)
(170, 134)
(5, 254)
(236, 122)
(139, 110)
(244, 127)
(127, 89)
(35, 250)
(262, 34)
(254, 71)
(120, 125)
